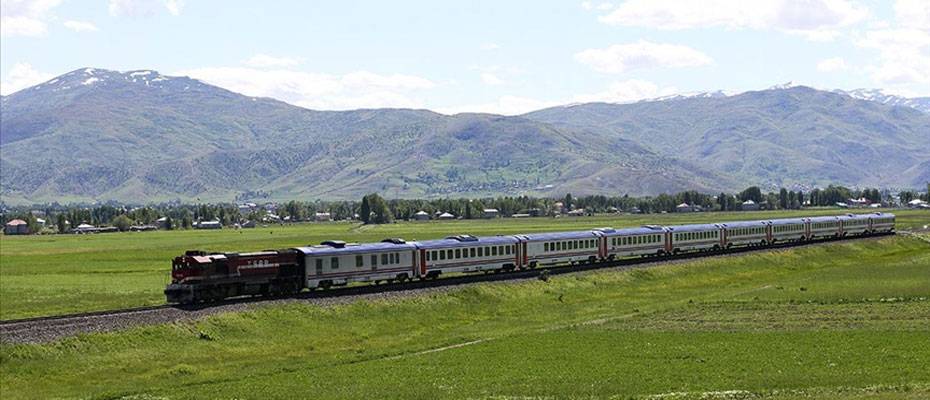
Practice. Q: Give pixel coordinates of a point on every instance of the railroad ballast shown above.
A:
(198, 276)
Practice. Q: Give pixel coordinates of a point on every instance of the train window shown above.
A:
(509, 250)
(427, 256)
(471, 252)
(449, 254)
(319, 263)
(434, 255)
(374, 259)
(500, 250)
(442, 255)
(481, 252)
(458, 253)
(334, 262)
(359, 261)
(384, 259)
(494, 251)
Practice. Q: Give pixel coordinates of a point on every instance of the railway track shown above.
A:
(46, 328)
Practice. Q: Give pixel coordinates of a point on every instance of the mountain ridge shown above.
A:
(95, 134)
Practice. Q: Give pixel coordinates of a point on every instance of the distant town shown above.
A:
(114, 217)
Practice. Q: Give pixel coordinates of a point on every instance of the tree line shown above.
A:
(372, 208)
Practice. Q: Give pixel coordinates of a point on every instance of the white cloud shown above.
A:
(265, 61)
(144, 8)
(904, 56)
(784, 15)
(913, 14)
(25, 17)
(832, 65)
(174, 6)
(617, 92)
(361, 89)
(625, 92)
(490, 46)
(643, 54)
(817, 35)
(81, 26)
(21, 76)
(587, 5)
(491, 79)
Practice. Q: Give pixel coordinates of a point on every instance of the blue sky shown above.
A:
(494, 56)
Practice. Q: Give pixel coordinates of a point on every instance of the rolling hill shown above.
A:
(139, 136)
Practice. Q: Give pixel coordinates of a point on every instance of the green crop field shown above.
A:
(57, 274)
(846, 320)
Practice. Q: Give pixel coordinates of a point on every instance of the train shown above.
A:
(199, 276)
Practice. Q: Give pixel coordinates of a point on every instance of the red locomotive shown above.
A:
(198, 276)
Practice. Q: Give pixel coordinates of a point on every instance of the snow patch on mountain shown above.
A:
(879, 96)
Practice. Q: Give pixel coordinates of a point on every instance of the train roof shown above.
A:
(465, 241)
(882, 214)
(561, 235)
(643, 230)
(693, 227)
(744, 224)
(829, 218)
(787, 221)
(324, 250)
(856, 216)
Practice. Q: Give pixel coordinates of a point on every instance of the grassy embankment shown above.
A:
(847, 320)
(47, 275)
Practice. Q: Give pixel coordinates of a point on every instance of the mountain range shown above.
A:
(139, 136)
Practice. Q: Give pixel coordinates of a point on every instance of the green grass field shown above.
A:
(58, 274)
(848, 320)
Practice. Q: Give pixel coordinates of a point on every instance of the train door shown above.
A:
(807, 229)
(422, 263)
(602, 247)
(840, 227)
(668, 241)
(871, 227)
(319, 266)
(516, 255)
(723, 238)
(768, 232)
(526, 257)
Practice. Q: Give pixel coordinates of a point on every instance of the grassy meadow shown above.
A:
(847, 320)
(58, 274)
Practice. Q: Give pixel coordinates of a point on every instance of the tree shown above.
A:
(169, 224)
(800, 198)
(567, 203)
(122, 223)
(724, 201)
(751, 193)
(62, 223)
(186, 220)
(365, 212)
(783, 200)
